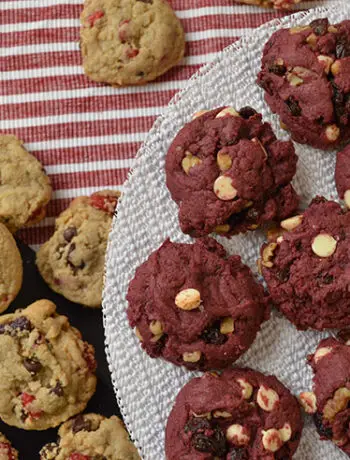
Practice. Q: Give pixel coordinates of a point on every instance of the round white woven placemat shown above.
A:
(145, 387)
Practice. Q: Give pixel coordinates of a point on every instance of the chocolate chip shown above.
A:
(322, 430)
(320, 26)
(213, 442)
(283, 275)
(197, 424)
(57, 389)
(328, 279)
(342, 48)
(238, 454)
(80, 424)
(247, 112)
(344, 335)
(213, 335)
(69, 233)
(293, 106)
(21, 323)
(278, 69)
(339, 103)
(32, 365)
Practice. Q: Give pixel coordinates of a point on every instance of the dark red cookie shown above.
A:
(229, 174)
(307, 269)
(342, 175)
(330, 398)
(306, 77)
(240, 414)
(194, 306)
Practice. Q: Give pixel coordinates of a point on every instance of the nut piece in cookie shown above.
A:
(7, 452)
(11, 268)
(229, 174)
(211, 419)
(307, 269)
(129, 42)
(90, 436)
(330, 397)
(342, 175)
(305, 73)
(196, 307)
(25, 188)
(47, 371)
(72, 260)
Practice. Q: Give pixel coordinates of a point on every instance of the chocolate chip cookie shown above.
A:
(240, 414)
(90, 437)
(228, 173)
(307, 268)
(11, 268)
(342, 175)
(47, 372)
(25, 189)
(278, 4)
(7, 452)
(306, 77)
(72, 260)
(329, 400)
(129, 42)
(194, 306)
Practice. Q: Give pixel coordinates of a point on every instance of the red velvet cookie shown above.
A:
(228, 173)
(342, 175)
(307, 269)
(194, 306)
(240, 414)
(278, 4)
(306, 77)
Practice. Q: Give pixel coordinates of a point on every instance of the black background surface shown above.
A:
(89, 322)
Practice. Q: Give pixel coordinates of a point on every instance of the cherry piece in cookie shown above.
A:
(228, 173)
(305, 73)
(307, 268)
(240, 414)
(342, 175)
(194, 306)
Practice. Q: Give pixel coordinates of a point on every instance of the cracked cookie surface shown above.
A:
(229, 174)
(91, 437)
(240, 414)
(306, 77)
(129, 42)
(25, 188)
(11, 268)
(194, 306)
(7, 452)
(72, 260)
(47, 372)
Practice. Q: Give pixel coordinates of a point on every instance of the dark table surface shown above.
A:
(89, 322)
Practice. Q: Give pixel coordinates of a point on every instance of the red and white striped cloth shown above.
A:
(87, 134)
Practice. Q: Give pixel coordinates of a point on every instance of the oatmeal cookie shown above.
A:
(7, 452)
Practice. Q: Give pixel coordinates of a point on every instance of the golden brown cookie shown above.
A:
(72, 260)
(25, 188)
(7, 452)
(129, 42)
(47, 371)
(91, 436)
(11, 268)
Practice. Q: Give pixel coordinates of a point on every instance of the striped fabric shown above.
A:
(87, 134)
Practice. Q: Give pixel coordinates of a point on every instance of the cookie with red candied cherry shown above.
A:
(129, 42)
(72, 260)
(91, 437)
(342, 175)
(7, 452)
(47, 371)
(240, 414)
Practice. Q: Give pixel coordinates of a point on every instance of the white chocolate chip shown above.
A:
(199, 114)
(268, 254)
(312, 40)
(271, 440)
(224, 160)
(294, 80)
(188, 299)
(308, 401)
(279, 239)
(247, 388)
(332, 30)
(321, 352)
(335, 68)
(298, 29)
(347, 198)
(338, 403)
(227, 325)
(237, 435)
(324, 245)
(191, 357)
(189, 162)
(285, 432)
(138, 334)
(156, 327)
(332, 133)
(222, 228)
(326, 61)
(292, 222)
(228, 111)
(221, 414)
(267, 398)
(224, 189)
(206, 415)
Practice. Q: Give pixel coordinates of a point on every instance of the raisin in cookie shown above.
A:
(194, 306)
(306, 77)
(25, 189)
(240, 414)
(89, 437)
(72, 260)
(307, 268)
(11, 268)
(129, 42)
(278, 4)
(47, 370)
(228, 173)
(7, 452)
(342, 175)
(329, 400)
